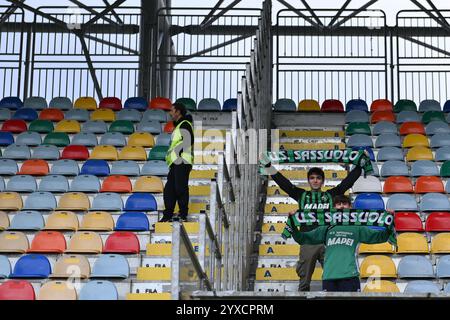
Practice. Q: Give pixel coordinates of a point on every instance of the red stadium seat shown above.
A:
(122, 242)
(48, 241)
(160, 103)
(17, 290)
(437, 222)
(411, 127)
(116, 184)
(51, 114)
(34, 167)
(427, 184)
(408, 221)
(378, 116)
(75, 152)
(112, 103)
(169, 127)
(381, 105)
(397, 184)
(332, 105)
(14, 126)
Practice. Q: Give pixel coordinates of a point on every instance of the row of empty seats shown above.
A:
(400, 183)
(354, 126)
(393, 140)
(390, 116)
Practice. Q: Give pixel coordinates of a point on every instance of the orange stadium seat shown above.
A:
(426, 184)
(169, 127)
(161, 103)
(121, 184)
(397, 184)
(122, 242)
(49, 242)
(381, 105)
(34, 167)
(51, 114)
(378, 116)
(411, 128)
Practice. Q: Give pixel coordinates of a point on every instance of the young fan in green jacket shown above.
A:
(340, 270)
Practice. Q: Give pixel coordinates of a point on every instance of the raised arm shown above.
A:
(371, 236)
(348, 182)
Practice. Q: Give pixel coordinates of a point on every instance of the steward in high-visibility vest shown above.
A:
(179, 147)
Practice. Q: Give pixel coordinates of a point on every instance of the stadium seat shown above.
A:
(381, 286)
(97, 221)
(115, 139)
(62, 220)
(65, 167)
(435, 127)
(415, 266)
(378, 116)
(57, 290)
(25, 114)
(17, 290)
(230, 105)
(22, 183)
(33, 266)
(6, 138)
(99, 290)
(158, 153)
(27, 220)
(95, 167)
(207, 104)
(359, 140)
(71, 266)
(111, 103)
(94, 126)
(137, 103)
(125, 168)
(51, 114)
(434, 202)
(123, 242)
(411, 127)
(141, 202)
(169, 127)
(13, 242)
(442, 154)
(446, 107)
(14, 126)
(106, 115)
(11, 103)
(415, 140)
(132, 221)
(129, 115)
(75, 152)
(443, 267)
(155, 168)
(308, 105)
(369, 201)
(188, 103)
(424, 168)
(4, 221)
(77, 115)
(34, 167)
(68, 126)
(86, 103)
(111, 266)
(152, 126)
(440, 243)
(388, 140)
(287, 105)
(357, 128)
(428, 184)
(8, 167)
(120, 184)
(436, 141)
(123, 126)
(378, 265)
(40, 201)
(419, 153)
(409, 242)
(408, 221)
(85, 183)
(381, 105)
(62, 103)
(10, 201)
(163, 139)
(429, 105)
(429, 116)
(148, 184)
(407, 116)
(59, 139)
(155, 115)
(356, 104)
(384, 127)
(46, 152)
(85, 139)
(402, 202)
(133, 153)
(332, 105)
(85, 242)
(41, 126)
(2, 184)
(36, 103)
(390, 154)
(375, 248)
(437, 222)
(74, 201)
(5, 114)
(108, 201)
(142, 139)
(405, 105)
(104, 152)
(48, 242)
(28, 138)
(5, 267)
(160, 103)
(398, 184)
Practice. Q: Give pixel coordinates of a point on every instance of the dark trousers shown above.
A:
(342, 285)
(177, 189)
(309, 254)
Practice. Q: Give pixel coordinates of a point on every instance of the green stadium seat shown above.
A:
(188, 103)
(357, 128)
(123, 126)
(158, 153)
(405, 105)
(59, 139)
(433, 116)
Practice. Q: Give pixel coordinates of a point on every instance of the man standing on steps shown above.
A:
(179, 158)
(310, 200)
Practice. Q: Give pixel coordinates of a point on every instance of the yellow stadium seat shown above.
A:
(284, 274)
(148, 184)
(10, 201)
(87, 103)
(85, 242)
(74, 201)
(104, 152)
(106, 115)
(195, 207)
(149, 296)
(280, 208)
(275, 228)
(279, 249)
(410, 242)
(203, 174)
(308, 105)
(441, 243)
(57, 290)
(378, 266)
(311, 134)
(199, 190)
(380, 286)
(141, 139)
(4, 221)
(71, 266)
(419, 153)
(154, 273)
(13, 242)
(62, 220)
(133, 153)
(97, 220)
(68, 126)
(385, 247)
(415, 139)
(191, 227)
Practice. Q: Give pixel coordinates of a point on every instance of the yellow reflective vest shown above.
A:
(177, 139)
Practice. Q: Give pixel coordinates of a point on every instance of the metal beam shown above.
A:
(49, 27)
(114, 13)
(9, 12)
(338, 14)
(38, 12)
(312, 12)
(221, 13)
(210, 14)
(90, 10)
(104, 12)
(443, 23)
(299, 13)
(426, 45)
(111, 44)
(354, 13)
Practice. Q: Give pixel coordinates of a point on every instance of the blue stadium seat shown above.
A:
(35, 266)
(408, 116)
(285, 105)
(424, 168)
(5, 114)
(27, 220)
(54, 183)
(446, 107)
(443, 267)
(152, 126)
(80, 115)
(402, 202)
(2, 183)
(155, 115)
(94, 127)
(388, 140)
(116, 139)
(46, 152)
(230, 105)
(422, 286)
(390, 153)
(5, 267)
(26, 114)
(28, 138)
(62, 103)
(107, 201)
(11, 103)
(372, 201)
(163, 139)
(359, 140)
(435, 127)
(138, 103)
(384, 127)
(129, 115)
(85, 183)
(442, 154)
(16, 152)
(415, 266)
(394, 168)
(95, 167)
(434, 202)
(429, 105)
(132, 221)
(99, 290)
(65, 167)
(8, 167)
(86, 139)
(125, 168)
(141, 202)
(209, 104)
(356, 116)
(111, 266)
(155, 168)
(22, 183)
(438, 140)
(40, 201)
(356, 104)
(36, 103)
(6, 138)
